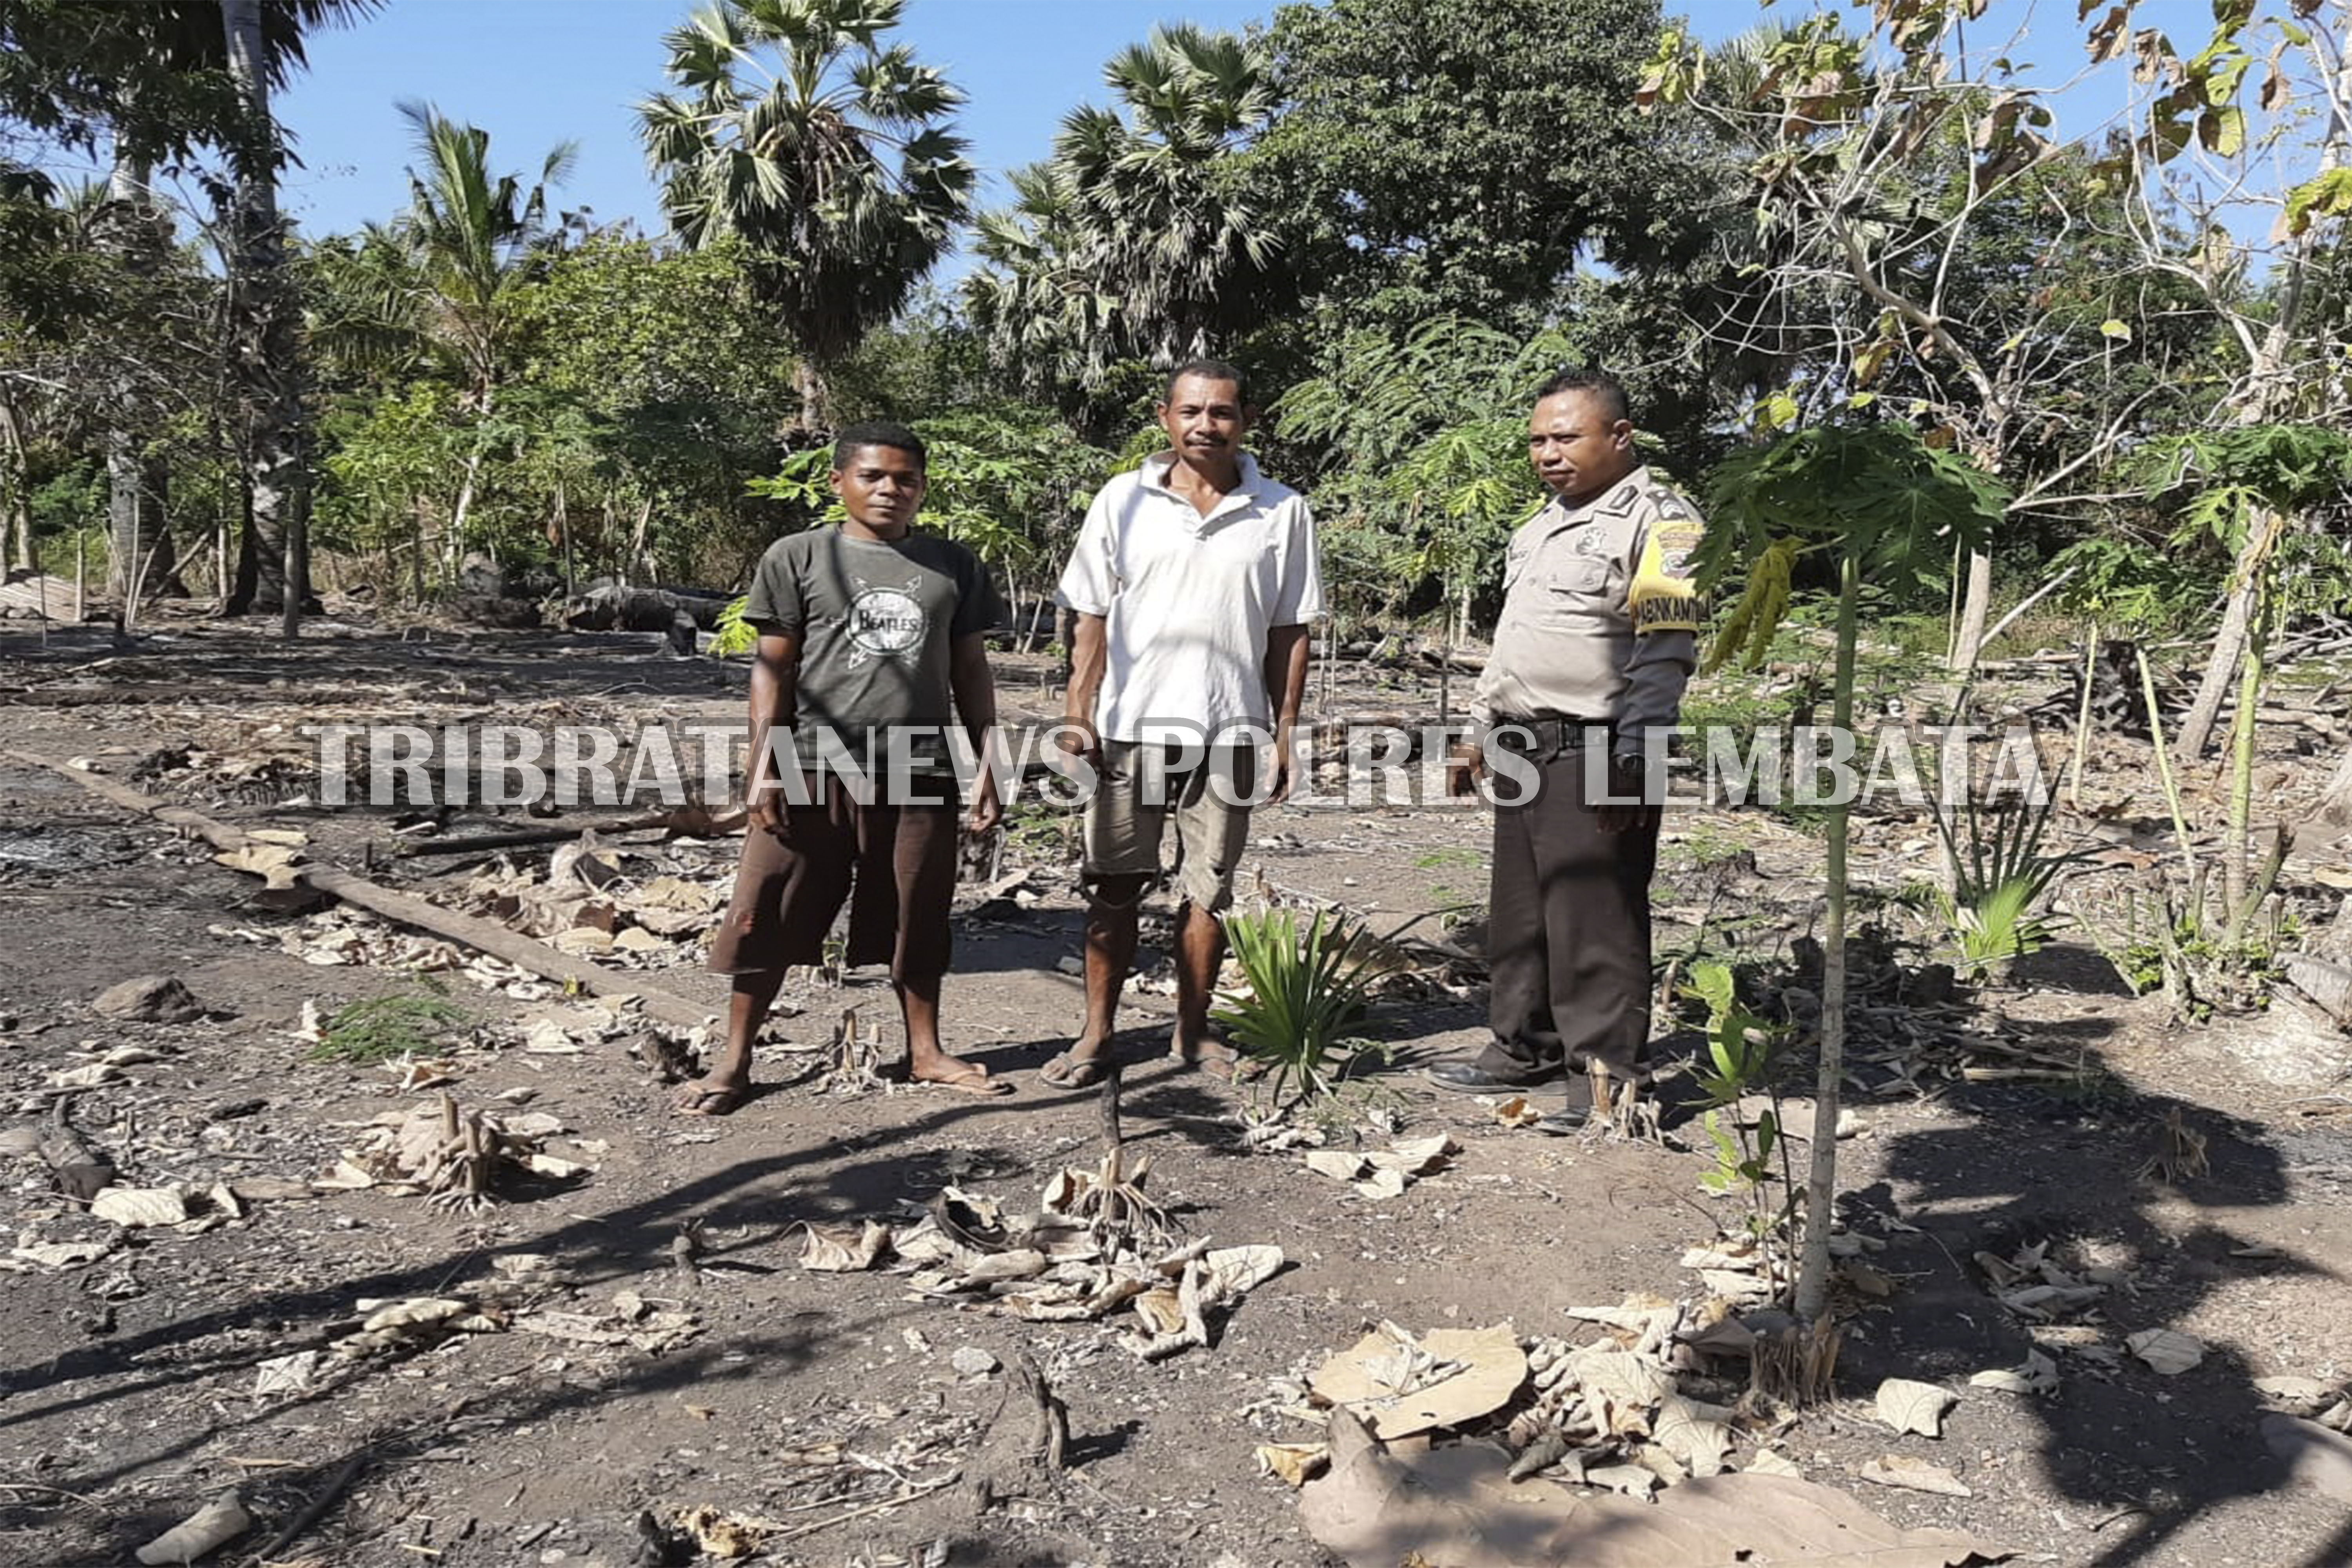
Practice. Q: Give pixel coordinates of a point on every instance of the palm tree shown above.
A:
(474, 241)
(837, 168)
(1126, 244)
(147, 78)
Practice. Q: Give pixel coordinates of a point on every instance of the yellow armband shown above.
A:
(1664, 597)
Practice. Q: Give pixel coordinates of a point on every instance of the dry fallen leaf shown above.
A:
(1295, 1464)
(727, 1536)
(62, 1254)
(1909, 1406)
(1771, 1462)
(844, 1250)
(1517, 1112)
(1917, 1475)
(134, 1207)
(2038, 1375)
(1490, 1367)
(2169, 1352)
(1337, 1164)
(1455, 1506)
(215, 1525)
(2316, 1456)
(1696, 1433)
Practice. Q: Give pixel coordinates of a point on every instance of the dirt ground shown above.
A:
(129, 1398)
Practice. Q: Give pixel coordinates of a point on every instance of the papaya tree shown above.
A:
(1887, 505)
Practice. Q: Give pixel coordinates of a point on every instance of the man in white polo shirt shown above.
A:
(1194, 582)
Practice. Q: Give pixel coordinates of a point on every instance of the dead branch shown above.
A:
(483, 936)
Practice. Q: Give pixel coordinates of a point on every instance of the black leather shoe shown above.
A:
(1464, 1078)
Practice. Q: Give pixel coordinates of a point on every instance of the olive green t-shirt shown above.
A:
(874, 621)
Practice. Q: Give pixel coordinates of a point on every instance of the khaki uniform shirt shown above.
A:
(1600, 616)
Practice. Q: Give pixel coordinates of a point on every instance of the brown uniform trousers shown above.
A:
(1568, 932)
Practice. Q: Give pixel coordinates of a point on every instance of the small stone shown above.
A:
(149, 999)
(973, 1362)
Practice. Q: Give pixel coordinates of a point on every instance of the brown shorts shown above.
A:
(1131, 809)
(895, 866)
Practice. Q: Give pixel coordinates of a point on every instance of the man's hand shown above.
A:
(1078, 739)
(1627, 778)
(1282, 768)
(987, 809)
(768, 813)
(1465, 768)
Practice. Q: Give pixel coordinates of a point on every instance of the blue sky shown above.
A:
(537, 72)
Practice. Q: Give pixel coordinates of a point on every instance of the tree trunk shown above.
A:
(264, 341)
(1821, 1183)
(16, 498)
(142, 562)
(146, 563)
(2229, 646)
(816, 399)
(1968, 642)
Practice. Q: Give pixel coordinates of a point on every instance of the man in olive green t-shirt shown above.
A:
(871, 643)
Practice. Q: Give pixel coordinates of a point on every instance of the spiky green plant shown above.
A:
(1304, 994)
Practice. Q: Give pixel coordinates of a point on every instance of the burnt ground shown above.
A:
(128, 1384)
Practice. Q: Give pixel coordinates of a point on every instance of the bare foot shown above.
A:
(710, 1097)
(954, 1072)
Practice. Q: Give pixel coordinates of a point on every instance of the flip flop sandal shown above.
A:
(729, 1102)
(972, 1080)
(1226, 1066)
(1071, 1070)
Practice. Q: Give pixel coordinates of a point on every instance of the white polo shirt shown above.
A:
(1189, 599)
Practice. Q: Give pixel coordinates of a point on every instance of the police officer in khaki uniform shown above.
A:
(1599, 635)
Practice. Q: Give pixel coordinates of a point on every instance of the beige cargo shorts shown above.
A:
(1143, 787)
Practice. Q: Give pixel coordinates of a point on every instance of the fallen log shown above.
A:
(483, 936)
(691, 822)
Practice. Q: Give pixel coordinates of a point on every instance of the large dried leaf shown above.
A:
(207, 1529)
(1913, 1475)
(1340, 1164)
(2167, 1349)
(2038, 1375)
(1487, 1368)
(1455, 1506)
(844, 1250)
(1909, 1406)
(2316, 1456)
(1295, 1463)
(1417, 1156)
(1697, 1435)
(136, 1207)
(1236, 1270)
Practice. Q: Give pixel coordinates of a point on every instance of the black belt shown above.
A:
(1543, 735)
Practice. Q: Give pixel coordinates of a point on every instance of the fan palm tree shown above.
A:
(836, 166)
(1126, 244)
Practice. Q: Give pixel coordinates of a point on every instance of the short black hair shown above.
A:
(1208, 370)
(877, 433)
(1593, 382)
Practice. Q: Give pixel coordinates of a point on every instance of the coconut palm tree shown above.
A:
(473, 240)
(835, 163)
